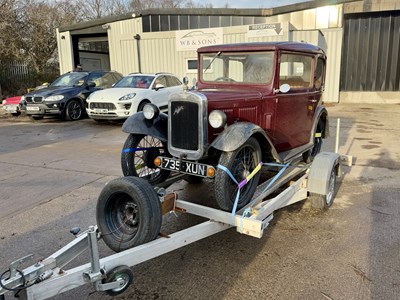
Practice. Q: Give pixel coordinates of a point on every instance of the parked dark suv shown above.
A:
(66, 96)
(255, 102)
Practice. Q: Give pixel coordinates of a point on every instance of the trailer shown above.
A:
(291, 183)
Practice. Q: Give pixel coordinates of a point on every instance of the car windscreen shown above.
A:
(237, 67)
(70, 79)
(136, 81)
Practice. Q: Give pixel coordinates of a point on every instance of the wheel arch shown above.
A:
(81, 102)
(138, 124)
(238, 133)
(320, 119)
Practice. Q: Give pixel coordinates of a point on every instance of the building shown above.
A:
(361, 39)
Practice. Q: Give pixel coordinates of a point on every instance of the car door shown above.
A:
(294, 114)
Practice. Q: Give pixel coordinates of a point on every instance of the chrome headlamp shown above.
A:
(217, 119)
(150, 111)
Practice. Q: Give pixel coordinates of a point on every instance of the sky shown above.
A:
(251, 3)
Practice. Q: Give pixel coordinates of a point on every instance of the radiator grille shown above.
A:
(109, 106)
(185, 125)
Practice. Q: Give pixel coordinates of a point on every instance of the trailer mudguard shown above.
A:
(138, 124)
(238, 133)
(320, 172)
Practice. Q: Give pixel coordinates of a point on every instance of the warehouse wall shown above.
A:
(158, 51)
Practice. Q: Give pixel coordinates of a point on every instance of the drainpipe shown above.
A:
(137, 38)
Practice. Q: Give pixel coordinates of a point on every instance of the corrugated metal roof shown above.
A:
(204, 11)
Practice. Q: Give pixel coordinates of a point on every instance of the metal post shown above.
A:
(137, 38)
(337, 135)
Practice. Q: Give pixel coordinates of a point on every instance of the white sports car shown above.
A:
(130, 94)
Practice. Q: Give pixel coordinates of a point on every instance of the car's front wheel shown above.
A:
(240, 164)
(137, 158)
(73, 111)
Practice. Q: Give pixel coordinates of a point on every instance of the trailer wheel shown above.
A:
(121, 274)
(240, 163)
(128, 213)
(138, 156)
(323, 202)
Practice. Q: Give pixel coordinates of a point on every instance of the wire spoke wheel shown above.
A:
(241, 163)
(138, 156)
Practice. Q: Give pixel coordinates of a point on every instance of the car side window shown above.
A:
(318, 76)
(173, 81)
(295, 70)
(102, 80)
(161, 80)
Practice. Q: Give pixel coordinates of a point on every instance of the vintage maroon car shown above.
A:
(12, 105)
(254, 102)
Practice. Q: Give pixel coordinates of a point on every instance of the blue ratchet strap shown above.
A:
(127, 150)
(227, 172)
(284, 167)
(225, 169)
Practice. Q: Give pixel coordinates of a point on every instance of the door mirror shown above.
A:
(91, 84)
(284, 88)
(159, 86)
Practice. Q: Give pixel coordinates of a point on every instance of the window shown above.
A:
(173, 23)
(214, 21)
(102, 80)
(194, 22)
(251, 68)
(161, 80)
(164, 20)
(173, 81)
(319, 72)
(184, 23)
(295, 70)
(146, 23)
(192, 64)
(155, 23)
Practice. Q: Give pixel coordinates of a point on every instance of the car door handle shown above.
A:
(313, 100)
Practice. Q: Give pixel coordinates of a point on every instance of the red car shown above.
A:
(11, 105)
(254, 102)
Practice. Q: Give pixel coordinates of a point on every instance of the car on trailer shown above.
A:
(253, 102)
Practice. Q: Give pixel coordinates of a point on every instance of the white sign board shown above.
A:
(196, 38)
(258, 30)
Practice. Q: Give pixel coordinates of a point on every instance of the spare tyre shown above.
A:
(128, 213)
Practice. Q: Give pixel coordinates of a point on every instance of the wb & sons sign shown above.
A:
(196, 38)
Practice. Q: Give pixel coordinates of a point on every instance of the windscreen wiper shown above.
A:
(209, 65)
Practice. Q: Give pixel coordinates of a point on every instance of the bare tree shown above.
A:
(28, 31)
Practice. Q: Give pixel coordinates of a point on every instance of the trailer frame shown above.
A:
(49, 277)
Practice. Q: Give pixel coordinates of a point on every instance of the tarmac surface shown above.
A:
(52, 171)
